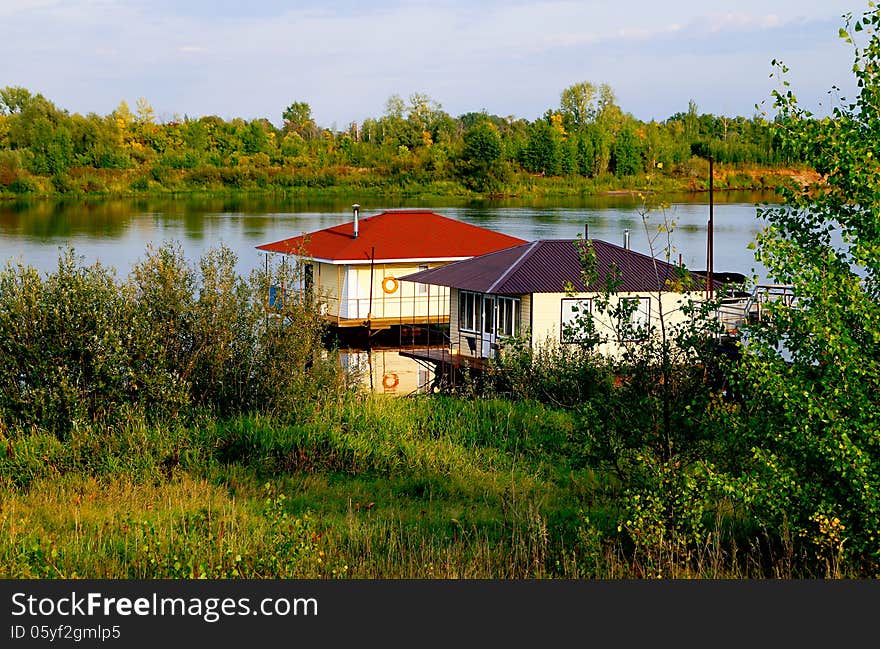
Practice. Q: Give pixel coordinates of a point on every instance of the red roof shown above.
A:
(397, 235)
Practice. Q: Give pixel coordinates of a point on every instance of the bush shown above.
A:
(22, 185)
(204, 176)
(561, 375)
(140, 184)
(79, 346)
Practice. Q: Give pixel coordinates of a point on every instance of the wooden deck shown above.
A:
(442, 357)
(385, 323)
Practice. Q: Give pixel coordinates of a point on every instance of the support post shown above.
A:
(710, 252)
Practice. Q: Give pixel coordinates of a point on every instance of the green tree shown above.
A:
(543, 152)
(810, 413)
(13, 99)
(578, 105)
(145, 113)
(298, 119)
(626, 153)
(480, 164)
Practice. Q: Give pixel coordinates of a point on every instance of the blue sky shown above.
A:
(240, 58)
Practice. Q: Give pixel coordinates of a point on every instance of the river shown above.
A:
(116, 232)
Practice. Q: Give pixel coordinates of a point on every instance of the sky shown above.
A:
(253, 58)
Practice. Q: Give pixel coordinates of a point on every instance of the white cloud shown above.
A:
(740, 21)
(510, 57)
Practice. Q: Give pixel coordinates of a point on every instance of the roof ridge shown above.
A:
(530, 248)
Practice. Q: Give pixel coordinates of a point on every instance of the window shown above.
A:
(508, 316)
(635, 318)
(577, 320)
(468, 311)
(422, 289)
(276, 297)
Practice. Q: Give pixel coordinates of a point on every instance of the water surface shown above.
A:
(116, 232)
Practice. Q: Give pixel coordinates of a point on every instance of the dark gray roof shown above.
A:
(546, 265)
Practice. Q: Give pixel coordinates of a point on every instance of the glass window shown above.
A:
(508, 316)
(577, 320)
(468, 311)
(635, 318)
(309, 281)
(422, 289)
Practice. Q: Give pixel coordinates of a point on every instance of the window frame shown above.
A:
(515, 306)
(563, 321)
(422, 288)
(475, 310)
(626, 332)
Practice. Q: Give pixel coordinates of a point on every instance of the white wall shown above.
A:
(347, 291)
(547, 316)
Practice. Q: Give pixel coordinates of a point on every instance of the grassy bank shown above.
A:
(435, 487)
(348, 181)
(169, 425)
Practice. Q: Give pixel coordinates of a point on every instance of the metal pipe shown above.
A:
(626, 238)
(355, 208)
(710, 243)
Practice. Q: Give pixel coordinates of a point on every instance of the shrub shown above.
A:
(79, 346)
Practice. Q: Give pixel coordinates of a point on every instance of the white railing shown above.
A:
(734, 312)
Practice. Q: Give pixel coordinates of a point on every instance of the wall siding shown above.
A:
(547, 316)
(525, 315)
(352, 284)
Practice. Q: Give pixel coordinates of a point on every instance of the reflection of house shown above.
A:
(355, 266)
(522, 291)
(385, 371)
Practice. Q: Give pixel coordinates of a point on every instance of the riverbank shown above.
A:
(691, 177)
(165, 427)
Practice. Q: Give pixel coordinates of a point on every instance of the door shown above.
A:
(490, 320)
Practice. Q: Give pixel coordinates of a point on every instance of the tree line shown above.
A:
(587, 136)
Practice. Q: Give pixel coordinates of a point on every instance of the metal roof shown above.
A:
(396, 235)
(547, 265)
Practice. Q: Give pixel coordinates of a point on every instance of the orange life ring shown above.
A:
(389, 285)
(390, 381)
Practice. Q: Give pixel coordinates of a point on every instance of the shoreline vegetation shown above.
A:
(734, 178)
(587, 145)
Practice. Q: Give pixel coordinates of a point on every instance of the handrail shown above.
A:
(735, 311)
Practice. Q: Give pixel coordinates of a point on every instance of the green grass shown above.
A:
(329, 183)
(377, 487)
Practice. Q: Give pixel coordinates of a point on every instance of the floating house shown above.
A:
(536, 290)
(355, 267)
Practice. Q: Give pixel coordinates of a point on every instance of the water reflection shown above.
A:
(385, 371)
(118, 231)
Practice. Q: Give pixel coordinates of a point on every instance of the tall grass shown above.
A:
(372, 487)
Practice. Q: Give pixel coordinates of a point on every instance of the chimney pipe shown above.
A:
(355, 208)
(626, 238)
(586, 231)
